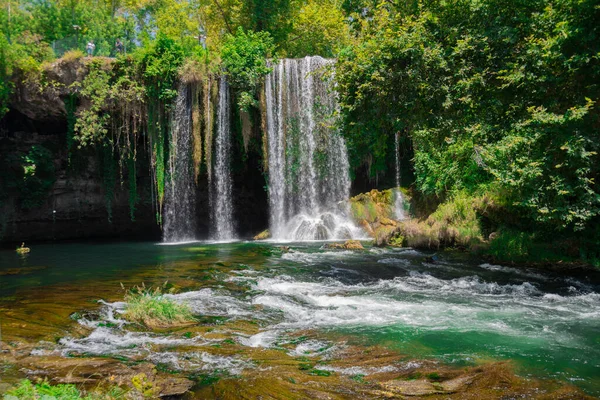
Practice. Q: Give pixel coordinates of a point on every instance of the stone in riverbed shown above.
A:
(347, 245)
(93, 371)
(264, 235)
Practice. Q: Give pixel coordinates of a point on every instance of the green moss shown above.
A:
(434, 376)
(397, 241)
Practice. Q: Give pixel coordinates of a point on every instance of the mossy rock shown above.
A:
(264, 235)
(347, 245)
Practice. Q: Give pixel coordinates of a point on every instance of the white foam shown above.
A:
(358, 370)
(262, 339)
(310, 348)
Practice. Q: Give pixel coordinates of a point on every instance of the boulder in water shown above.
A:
(347, 245)
(321, 232)
(328, 220)
(263, 235)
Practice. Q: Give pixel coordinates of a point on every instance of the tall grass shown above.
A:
(153, 308)
(454, 223)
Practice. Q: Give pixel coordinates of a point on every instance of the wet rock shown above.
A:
(264, 235)
(329, 221)
(285, 249)
(92, 371)
(387, 221)
(347, 245)
(419, 387)
(21, 271)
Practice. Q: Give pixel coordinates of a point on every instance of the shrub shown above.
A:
(72, 55)
(510, 245)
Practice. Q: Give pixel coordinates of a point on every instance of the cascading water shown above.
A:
(180, 192)
(308, 162)
(221, 185)
(399, 202)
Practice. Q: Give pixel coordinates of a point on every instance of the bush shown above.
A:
(244, 59)
(511, 245)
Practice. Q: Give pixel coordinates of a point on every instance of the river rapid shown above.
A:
(309, 304)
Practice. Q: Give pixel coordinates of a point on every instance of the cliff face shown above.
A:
(70, 200)
(50, 193)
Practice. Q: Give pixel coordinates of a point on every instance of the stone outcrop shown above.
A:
(347, 245)
(374, 212)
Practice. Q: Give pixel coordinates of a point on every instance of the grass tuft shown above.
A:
(154, 309)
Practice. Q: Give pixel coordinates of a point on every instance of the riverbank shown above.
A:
(477, 225)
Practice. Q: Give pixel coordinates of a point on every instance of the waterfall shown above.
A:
(399, 202)
(221, 185)
(180, 191)
(308, 162)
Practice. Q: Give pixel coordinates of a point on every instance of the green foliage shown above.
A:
(494, 96)
(26, 390)
(109, 177)
(160, 62)
(511, 245)
(318, 28)
(92, 122)
(547, 164)
(244, 57)
(154, 309)
(6, 85)
(37, 177)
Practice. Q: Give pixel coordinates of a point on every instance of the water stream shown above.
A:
(399, 201)
(455, 310)
(308, 163)
(221, 195)
(180, 189)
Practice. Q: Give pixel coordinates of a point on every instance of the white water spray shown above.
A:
(180, 190)
(399, 203)
(308, 162)
(222, 186)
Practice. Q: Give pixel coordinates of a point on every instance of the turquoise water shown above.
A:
(449, 307)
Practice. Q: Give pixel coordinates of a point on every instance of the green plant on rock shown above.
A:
(511, 245)
(92, 122)
(144, 386)
(42, 390)
(154, 308)
(38, 176)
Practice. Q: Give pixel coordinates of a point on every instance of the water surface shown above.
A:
(446, 306)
